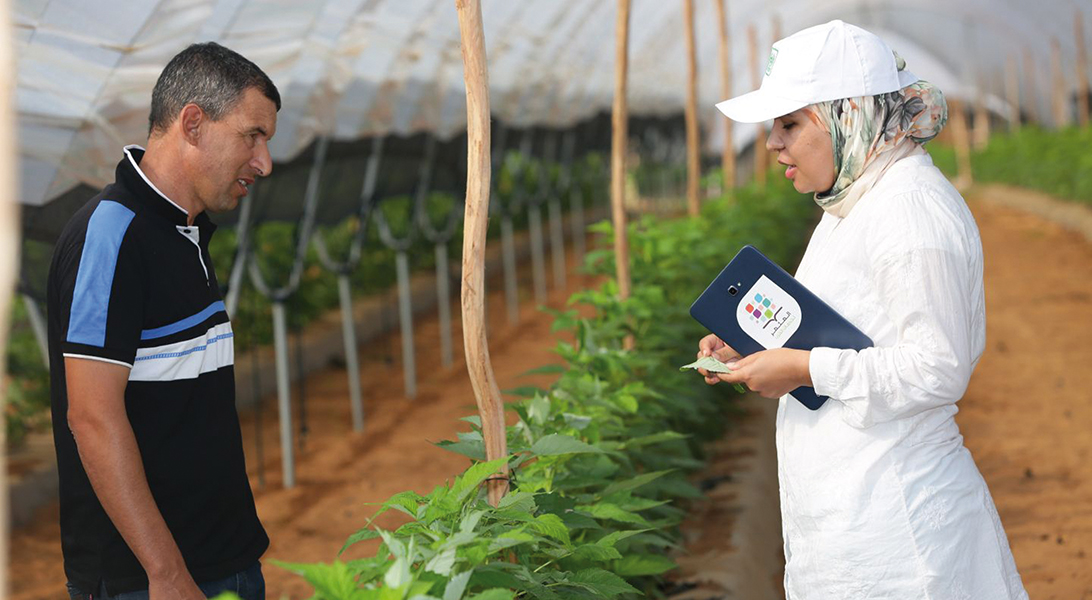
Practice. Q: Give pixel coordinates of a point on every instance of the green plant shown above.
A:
(1057, 162)
(600, 460)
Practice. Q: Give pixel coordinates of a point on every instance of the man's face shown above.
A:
(234, 151)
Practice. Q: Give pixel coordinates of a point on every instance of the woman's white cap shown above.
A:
(827, 62)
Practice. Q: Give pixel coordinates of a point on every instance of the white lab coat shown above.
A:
(879, 497)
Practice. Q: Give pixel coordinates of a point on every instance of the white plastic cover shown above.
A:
(352, 68)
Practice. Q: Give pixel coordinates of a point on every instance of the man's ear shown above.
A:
(190, 119)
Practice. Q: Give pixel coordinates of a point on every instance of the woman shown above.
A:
(879, 497)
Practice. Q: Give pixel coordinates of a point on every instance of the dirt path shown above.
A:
(1027, 414)
(338, 471)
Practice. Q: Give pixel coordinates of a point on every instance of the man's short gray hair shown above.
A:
(210, 76)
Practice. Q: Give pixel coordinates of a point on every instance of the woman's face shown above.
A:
(804, 146)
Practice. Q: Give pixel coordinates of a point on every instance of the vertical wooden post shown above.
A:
(1032, 87)
(618, 148)
(728, 155)
(964, 177)
(1082, 68)
(9, 252)
(1058, 94)
(761, 157)
(693, 157)
(981, 115)
(1012, 90)
(476, 220)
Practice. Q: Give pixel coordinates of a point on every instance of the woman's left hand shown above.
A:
(770, 373)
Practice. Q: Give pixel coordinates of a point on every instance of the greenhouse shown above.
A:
(401, 300)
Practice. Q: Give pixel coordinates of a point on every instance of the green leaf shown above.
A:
(633, 483)
(474, 420)
(555, 444)
(457, 585)
(360, 536)
(469, 448)
(397, 575)
(613, 512)
(474, 476)
(614, 537)
(329, 580)
(551, 525)
(634, 565)
(494, 594)
(709, 364)
(655, 438)
(442, 563)
(521, 501)
(603, 582)
(595, 553)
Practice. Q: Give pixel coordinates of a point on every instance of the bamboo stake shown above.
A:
(619, 139)
(964, 178)
(1012, 89)
(1082, 68)
(1060, 102)
(693, 160)
(1032, 88)
(728, 155)
(761, 157)
(9, 251)
(476, 220)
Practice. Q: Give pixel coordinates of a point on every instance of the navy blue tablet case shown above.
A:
(771, 309)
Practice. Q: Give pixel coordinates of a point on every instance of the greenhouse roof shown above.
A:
(356, 68)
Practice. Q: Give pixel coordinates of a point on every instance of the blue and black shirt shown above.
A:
(132, 284)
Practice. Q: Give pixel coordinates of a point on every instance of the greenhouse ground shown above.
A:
(1024, 418)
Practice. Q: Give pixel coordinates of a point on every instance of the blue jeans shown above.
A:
(248, 584)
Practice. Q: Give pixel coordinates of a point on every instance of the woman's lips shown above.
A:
(790, 172)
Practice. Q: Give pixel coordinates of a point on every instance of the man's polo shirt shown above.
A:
(132, 284)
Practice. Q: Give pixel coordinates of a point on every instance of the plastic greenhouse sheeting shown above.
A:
(357, 68)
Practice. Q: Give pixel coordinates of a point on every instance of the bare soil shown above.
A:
(1026, 419)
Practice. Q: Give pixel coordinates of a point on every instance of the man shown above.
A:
(154, 494)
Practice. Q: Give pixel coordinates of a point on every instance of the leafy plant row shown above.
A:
(1057, 162)
(600, 461)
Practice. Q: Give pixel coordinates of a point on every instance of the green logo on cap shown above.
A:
(773, 57)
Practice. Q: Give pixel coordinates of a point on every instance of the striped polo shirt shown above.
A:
(132, 284)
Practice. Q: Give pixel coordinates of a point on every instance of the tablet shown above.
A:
(755, 305)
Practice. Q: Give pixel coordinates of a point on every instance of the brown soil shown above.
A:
(1025, 418)
(1026, 415)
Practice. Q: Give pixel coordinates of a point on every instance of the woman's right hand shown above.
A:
(711, 345)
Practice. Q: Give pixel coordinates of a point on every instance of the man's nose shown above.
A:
(262, 161)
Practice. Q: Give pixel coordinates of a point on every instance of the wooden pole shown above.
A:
(1058, 95)
(728, 155)
(693, 158)
(9, 252)
(962, 140)
(618, 149)
(761, 157)
(476, 221)
(1033, 89)
(981, 115)
(1012, 90)
(1082, 68)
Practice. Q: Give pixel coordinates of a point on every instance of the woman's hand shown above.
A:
(711, 345)
(769, 373)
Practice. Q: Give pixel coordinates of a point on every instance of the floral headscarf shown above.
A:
(870, 133)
